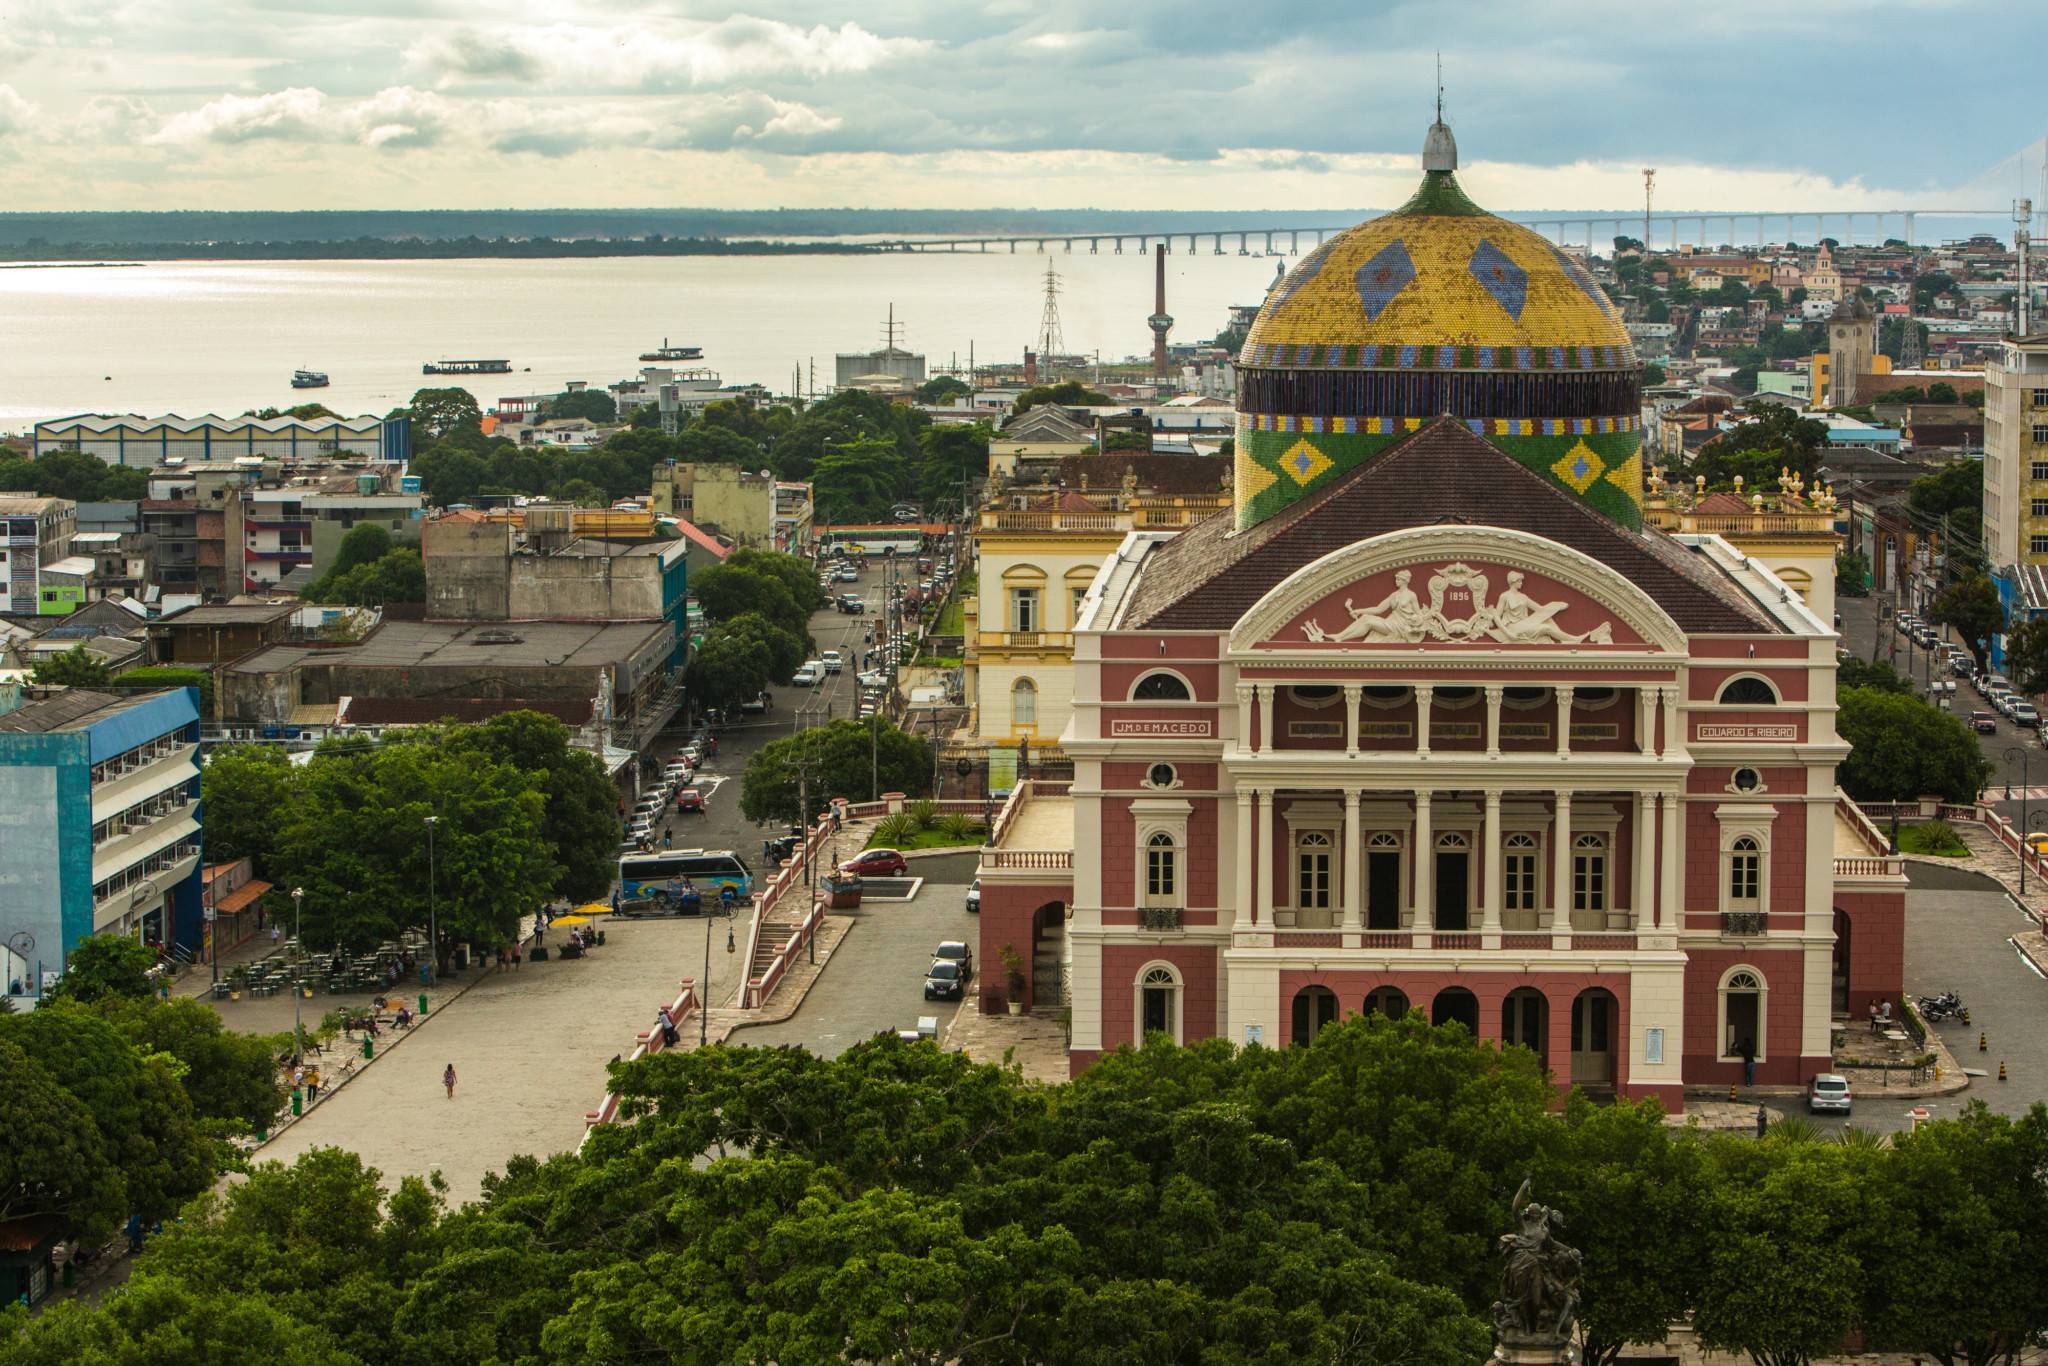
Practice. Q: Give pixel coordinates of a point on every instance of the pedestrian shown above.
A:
(1748, 1055)
(668, 1029)
(448, 1079)
(540, 926)
(1884, 1014)
(276, 933)
(515, 957)
(312, 1087)
(1873, 1017)
(668, 837)
(1763, 1121)
(501, 960)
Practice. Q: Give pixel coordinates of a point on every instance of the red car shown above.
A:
(876, 863)
(1984, 723)
(690, 799)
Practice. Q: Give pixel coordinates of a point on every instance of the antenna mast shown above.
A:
(1649, 190)
(1050, 342)
(2023, 219)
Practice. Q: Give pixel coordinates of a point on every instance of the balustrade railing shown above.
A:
(1744, 924)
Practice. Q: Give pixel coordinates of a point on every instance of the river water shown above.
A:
(197, 337)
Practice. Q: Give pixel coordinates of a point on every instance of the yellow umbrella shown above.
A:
(562, 920)
(590, 908)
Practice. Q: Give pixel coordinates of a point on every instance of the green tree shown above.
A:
(356, 840)
(445, 412)
(1852, 574)
(1067, 393)
(583, 494)
(940, 390)
(2026, 655)
(247, 791)
(104, 965)
(781, 651)
(1902, 749)
(1786, 438)
(728, 590)
(1858, 673)
(77, 667)
(136, 1102)
(228, 1076)
(1653, 373)
(400, 576)
(846, 758)
(53, 1158)
(591, 405)
(580, 815)
(726, 670)
(365, 544)
(1630, 1189)
(792, 571)
(952, 462)
(856, 480)
(1972, 607)
(450, 475)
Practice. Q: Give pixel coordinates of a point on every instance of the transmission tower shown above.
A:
(1649, 185)
(1050, 342)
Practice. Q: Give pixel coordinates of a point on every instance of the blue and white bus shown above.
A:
(658, 883)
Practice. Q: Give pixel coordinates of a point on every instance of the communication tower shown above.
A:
(1649, 187)
(1051, 344)
(2022, 234)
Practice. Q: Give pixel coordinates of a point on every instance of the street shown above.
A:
(876, 981)
(1860, 625)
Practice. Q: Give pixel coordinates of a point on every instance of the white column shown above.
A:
(1490, 904)
(1643, 850)
(1265, 713)
(1673, 742)
(1352, 692)
(1354, 857)
(1564, 721)
(1423, 696)
(1243, 906)
(1670, 914)
(1422, 914)
(1646, 720)
(1561, 866)
(1494, 693)
(1262, 911)
(1244, 716)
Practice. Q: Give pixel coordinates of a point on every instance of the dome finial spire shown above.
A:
(1439, 148)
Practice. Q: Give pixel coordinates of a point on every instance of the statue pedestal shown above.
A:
(1529, 1354)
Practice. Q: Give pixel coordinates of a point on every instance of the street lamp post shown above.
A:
(704, 987)
(433, 923)
(2019, 752)
(298, 920)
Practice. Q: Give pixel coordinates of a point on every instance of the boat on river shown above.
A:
(667, 352)
(467, 367)
(309, 379)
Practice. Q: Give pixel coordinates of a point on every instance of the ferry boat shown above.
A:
(309, 379)
(467, 367)
(667, 352)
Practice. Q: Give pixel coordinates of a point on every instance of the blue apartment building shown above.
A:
(99, 818)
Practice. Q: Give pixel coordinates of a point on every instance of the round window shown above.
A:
(1748, 780)
(1451, 699)
(1160, 775)
(1385, 695)
(1316, 695)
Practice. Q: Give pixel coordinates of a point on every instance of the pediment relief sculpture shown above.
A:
(1458, 611)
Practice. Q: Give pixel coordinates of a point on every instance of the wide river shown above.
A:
(224, 337)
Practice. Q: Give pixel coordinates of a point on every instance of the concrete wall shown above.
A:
(327, 535)
(467, 579)
(582, 587)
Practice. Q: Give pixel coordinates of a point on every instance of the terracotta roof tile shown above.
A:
(1206, 578)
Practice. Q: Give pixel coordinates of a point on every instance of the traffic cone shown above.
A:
(1983, 1042)
(1731, 1091)
(2001, 1069)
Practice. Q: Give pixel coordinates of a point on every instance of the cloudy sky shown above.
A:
(929, 103)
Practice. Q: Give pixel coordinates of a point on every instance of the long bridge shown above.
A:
(1576, 229)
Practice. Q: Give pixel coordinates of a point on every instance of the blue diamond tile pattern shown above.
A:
(1507, 282)
(1310, 267)
(1384, 276)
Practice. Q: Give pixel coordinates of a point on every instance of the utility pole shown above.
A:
(1649, 190)
(433, 922)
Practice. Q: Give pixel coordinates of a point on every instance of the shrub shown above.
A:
(958, 828)
(925, 813)
(898, 829)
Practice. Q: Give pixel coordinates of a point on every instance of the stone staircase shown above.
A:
(783, 919)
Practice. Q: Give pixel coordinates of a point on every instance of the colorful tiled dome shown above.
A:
(1438, 307)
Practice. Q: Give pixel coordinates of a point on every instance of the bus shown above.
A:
(655, 883)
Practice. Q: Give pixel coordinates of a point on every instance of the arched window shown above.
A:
(1314, 1007)
(1748, 691)
(1312, 860)
(1161, 687)
(1391, 1002)
(1743, 1017)
(1158, 1004)
(1519, 858)
(1589, 874)
(1162, 867)
(1023, 704)
(1745, 874)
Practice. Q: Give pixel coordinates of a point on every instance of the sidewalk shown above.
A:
(1035, 1041)
(722, 1021)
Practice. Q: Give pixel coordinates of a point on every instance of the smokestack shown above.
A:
(1031, 367)
(1160, 322)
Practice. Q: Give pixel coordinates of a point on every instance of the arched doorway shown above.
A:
(1595, 1022)
(1391, 1002)
(1525, 1020)
(1456, 1003)
(1453, 881)
(1841, 967)
(1314, 1007)
(1158, 989)
(1049, 954)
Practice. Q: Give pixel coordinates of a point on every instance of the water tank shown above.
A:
(367, 483)
(409, 483)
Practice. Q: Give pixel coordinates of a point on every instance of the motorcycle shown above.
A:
(1947, 1006)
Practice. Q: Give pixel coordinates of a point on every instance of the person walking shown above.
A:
(448, 1079)
(668, 1029)
(1873, 1017)
(312, 1087)
(515, 956)
(1748, 1054)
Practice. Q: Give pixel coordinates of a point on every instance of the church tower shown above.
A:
(1852, 345)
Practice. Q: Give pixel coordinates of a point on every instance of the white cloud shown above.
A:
(643, 55)
(16, 113)
(701, 123)
(398, 117)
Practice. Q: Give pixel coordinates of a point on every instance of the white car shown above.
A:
(833, 661)
(809, 675)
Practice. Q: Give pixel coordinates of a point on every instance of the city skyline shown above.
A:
(157, 104)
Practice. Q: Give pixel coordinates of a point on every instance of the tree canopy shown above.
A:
(592, 405)
(76, 475)
(844, 758)
(1070, 393)
(1903, 749)
(77, 667)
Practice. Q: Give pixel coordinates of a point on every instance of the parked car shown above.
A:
(691, 799)
(808, 675)
(876, 863)
(943, 981)
(1828, 1091)
(974, 897)
(759, 704)
(956, 951)
(1984, 723)
(852, 605)
(848, 574)
(2023, 714)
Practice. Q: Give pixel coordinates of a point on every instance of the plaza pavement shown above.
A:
(530, 1050)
